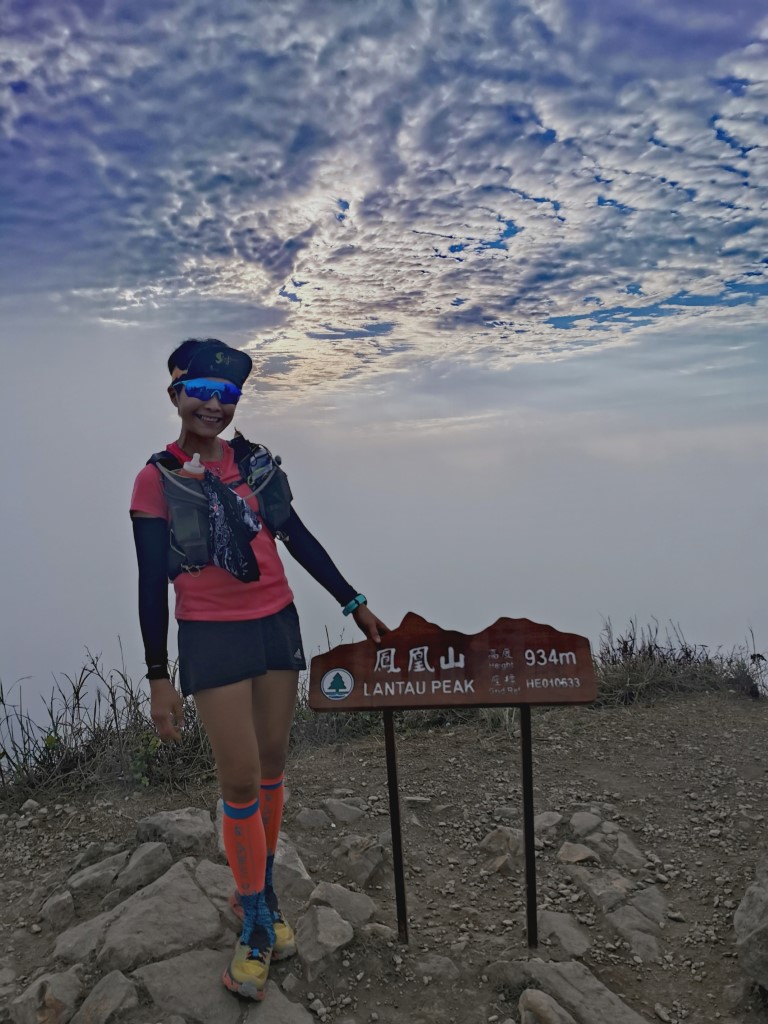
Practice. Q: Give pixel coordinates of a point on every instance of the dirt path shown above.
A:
(685, 778)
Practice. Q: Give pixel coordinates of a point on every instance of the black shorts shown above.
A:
(220, 653)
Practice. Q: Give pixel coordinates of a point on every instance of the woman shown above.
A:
(240, 649)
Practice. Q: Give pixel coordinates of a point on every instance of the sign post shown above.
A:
(512, 663)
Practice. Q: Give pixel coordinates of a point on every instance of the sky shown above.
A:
(502, 268)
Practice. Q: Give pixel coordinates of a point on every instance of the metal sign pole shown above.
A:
(526, 749)
(394, 816)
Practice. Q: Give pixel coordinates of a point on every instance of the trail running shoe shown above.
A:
(249, 968)
(285, 939)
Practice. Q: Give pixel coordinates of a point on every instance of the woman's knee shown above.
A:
(239, 785)
(273, 762)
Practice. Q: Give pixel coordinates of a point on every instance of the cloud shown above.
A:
(492, 181)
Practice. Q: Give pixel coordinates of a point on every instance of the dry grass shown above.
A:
(97, 728)
(639, 665)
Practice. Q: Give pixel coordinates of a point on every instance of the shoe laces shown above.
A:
(260, 946)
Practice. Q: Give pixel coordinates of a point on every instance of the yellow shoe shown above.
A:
(249, 968)
(285, 939)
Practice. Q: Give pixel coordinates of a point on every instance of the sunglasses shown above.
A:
(204, 390)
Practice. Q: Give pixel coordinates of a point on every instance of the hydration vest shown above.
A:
(189, 544)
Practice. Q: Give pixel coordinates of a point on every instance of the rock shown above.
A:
(58, 910)
(434, 966)
(147, 862)
(507, 813)
(536, 1007)
(276, 1008)
(343, 811)
(113, 994)
(219, 829)
(190, 984)
(309, 819)
(92, 853)
(546, 820)
(576, 853)
(82, 940)
(7, 978)
(736, 996)
(504, 840)
(627, 854)
(504, 865)
(378, 932)
(291, 877)
(30, 806)
(291, 984)
(168, 916)
(571, 985)
(50, 999)
(419, 800)
(600, 842)
(607, 889)
(111, 900)
(217, 883)
(355, 907)
(99, 877)
(320, 935)
(186, 831)
(570, 936)
(652, 903)
(385, 838)
(362, 859)
(750, 923)
(584, 822)
(639, 932)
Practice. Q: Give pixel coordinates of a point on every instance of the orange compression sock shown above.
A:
(246, 845)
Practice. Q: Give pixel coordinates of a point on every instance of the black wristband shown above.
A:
(157, 672)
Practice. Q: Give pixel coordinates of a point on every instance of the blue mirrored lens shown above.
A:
(203, 390)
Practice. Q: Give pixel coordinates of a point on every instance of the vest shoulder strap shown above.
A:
(256, 464)
(164, 459)
(264, 475)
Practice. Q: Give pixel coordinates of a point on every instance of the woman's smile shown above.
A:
(201, 422)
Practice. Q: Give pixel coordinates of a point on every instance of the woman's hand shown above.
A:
(370, 624)
(167, 709)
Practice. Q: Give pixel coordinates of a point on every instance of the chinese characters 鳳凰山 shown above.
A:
(385, 660)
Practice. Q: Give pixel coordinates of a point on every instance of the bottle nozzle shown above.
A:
(194, 465)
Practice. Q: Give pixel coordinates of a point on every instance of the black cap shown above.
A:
(215, 359)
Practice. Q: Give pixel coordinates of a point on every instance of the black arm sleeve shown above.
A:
(312, 556)
(151, 538)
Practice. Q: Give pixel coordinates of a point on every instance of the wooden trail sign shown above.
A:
(514, 662)
(419, 665)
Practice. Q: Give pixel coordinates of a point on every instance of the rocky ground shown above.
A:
(650, 825)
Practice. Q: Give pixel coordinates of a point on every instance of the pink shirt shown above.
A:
(214, 594)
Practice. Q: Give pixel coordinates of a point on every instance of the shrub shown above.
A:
(98, 729)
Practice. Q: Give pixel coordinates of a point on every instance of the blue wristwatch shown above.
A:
(354, 603)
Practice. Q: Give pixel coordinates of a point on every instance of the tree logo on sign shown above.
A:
(337, 684)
